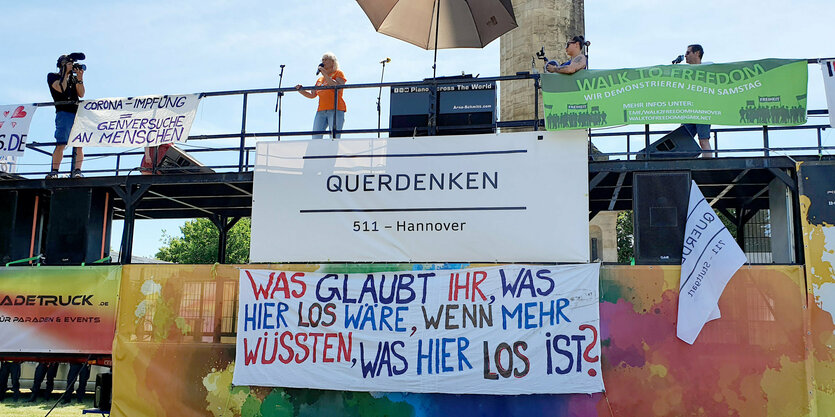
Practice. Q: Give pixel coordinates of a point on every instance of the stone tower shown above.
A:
(548, 23)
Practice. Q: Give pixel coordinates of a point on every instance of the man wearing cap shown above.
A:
(66, 87)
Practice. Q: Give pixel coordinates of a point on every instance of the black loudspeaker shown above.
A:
(78, 229)
(464, 105)
(104, 391)
(409, 124)
(659, 200)
(465, 123)
(676, 144)
(21, 219)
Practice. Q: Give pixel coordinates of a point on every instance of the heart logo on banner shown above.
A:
(18, 113)
(14, 124)
(1, 124)
(5, 114)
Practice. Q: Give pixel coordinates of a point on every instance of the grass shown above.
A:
(39, 409)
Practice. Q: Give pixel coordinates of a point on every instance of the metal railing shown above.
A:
(765, 132)
(243, 151)
(597, 137)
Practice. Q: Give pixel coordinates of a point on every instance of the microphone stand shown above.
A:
(586, 52)
(380, 94)
(279, 95)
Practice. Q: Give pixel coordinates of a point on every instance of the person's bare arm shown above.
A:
(306, 93)
(576, 64)
(79, 86)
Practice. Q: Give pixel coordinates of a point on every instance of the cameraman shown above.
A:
(66, 86)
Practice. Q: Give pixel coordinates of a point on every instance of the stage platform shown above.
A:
(176, 196)
(728, 183)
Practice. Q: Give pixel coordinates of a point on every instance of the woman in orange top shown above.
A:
(326, 118)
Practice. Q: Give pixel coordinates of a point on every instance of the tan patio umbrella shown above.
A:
(441, 24)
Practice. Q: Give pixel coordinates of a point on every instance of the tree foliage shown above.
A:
(199, 240)
(728, 223)
(626, 238)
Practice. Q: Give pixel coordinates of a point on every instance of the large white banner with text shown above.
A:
(517, 197)
(501, 330)
(14, 128)
(134, 121)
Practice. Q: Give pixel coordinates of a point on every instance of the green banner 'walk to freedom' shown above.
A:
(764, 92)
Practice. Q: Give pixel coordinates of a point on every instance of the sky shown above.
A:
(163, 47)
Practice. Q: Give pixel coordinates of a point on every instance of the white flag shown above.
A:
(709, 259)
(828, 68)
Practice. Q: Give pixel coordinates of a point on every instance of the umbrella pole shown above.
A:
(437, 21)
(433, 104)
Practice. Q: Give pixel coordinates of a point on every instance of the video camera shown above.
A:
(541, 54)
(74, 58)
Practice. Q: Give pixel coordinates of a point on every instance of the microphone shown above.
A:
(319, 69)
(678, 59)
(385, 61)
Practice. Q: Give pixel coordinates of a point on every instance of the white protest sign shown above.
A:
(828, 69)
(501, 330)
(134, 121)
(513, 197)
(14, 128)
(709, 258)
